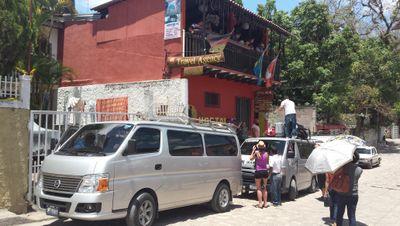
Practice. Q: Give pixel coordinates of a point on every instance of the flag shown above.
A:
(257, 70)
(218, 42)
(270, 73)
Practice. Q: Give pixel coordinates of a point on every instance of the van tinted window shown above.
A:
(147, 140)
(305, 149)
(184, 143)
(217, 145)
(279, 145)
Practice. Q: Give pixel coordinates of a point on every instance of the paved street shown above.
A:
(379, 204)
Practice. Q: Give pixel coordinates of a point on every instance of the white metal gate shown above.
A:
(47, 127)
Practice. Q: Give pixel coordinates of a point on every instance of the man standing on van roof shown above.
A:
(290, 117)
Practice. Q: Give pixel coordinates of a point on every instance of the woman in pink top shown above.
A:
(261, 157)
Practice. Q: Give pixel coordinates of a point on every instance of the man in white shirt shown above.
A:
(290, 117)
(275, 162)
(255, 129)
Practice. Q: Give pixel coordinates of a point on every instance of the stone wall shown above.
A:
(14, 153)
(142, 96)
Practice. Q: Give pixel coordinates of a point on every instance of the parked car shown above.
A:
(369, 156)
(294, 152)
(133, 170)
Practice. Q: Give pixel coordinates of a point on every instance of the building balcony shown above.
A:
(238, 57)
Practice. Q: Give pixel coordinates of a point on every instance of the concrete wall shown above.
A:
(14, 152)
(306, 116)
(142, 96)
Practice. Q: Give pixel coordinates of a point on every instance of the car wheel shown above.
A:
(379, 162)
(142, 211)
(221, 198)
(369, 166)
(292, 190)
(313, 185)
(245, 192)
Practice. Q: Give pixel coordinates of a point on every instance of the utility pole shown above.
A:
(30, 37)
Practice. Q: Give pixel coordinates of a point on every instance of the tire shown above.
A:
(221, 199)
(292, 190)
(245, 192)
(369, 166)
(379, 162)
(142, 211)
(313, 185)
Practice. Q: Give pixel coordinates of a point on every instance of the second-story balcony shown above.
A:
(238, 57)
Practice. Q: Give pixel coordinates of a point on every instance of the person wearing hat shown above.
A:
(261, 157)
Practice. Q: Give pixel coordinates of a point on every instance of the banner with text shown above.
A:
(172, 27)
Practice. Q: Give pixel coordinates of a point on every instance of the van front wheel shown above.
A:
(293, 190)
(221, 199)
(142, 211)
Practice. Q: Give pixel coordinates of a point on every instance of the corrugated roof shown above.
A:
(272, 24)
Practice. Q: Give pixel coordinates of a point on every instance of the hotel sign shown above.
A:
(195, 60)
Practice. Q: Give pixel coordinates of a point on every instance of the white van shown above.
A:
(133, 170)
(294, 152)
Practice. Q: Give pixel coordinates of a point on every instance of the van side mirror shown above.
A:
(130, 148)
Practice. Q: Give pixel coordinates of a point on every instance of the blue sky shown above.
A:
(285, 5)
(83, 6)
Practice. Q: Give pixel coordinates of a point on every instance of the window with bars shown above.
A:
(212, 99)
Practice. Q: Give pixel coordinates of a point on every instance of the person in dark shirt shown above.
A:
(349, 199)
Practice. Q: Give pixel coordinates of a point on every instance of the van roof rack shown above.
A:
(195, 122)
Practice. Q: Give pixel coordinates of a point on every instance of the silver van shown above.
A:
(294, 152)
(132, 170)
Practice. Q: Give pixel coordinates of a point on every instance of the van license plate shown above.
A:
(52, 211)
(253, 187)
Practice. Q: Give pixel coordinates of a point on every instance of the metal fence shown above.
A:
(10, 87)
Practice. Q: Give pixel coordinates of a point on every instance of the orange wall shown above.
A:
(127, 46)
(228, 91)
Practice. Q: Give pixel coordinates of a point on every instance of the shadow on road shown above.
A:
(391, 148)
(285, 198)
(164, 218)
(328, 221)
(186, 213)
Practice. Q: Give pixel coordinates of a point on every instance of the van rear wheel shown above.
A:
(292, 190)
(142, 211)
(221, 199)
(313, 185)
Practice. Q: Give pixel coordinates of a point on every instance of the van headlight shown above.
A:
(94, 183)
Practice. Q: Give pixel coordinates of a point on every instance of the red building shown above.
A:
(140, 40)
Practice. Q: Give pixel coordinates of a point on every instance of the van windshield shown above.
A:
(279, 145)
(96, 140)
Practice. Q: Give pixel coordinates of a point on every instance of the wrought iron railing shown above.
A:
(237, 57)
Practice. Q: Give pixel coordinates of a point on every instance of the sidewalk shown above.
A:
(8, 219)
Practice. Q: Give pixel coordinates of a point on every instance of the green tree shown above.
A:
(14, 33)
(267, 10)
(240, 2)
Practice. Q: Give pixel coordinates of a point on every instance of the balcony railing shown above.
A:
(237, 57)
